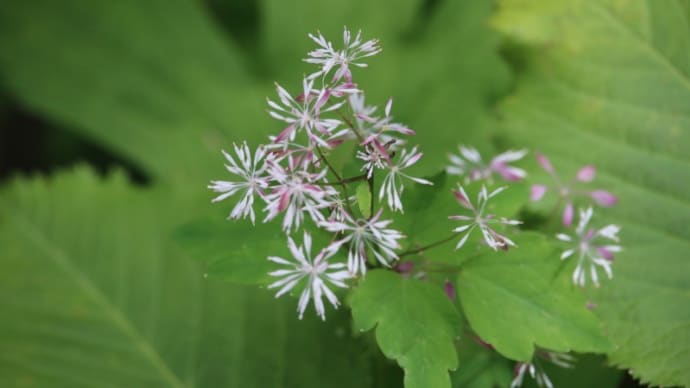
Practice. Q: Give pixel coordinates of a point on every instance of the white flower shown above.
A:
(591, 252)
(339, 205)
(536, 371)
(372, 235)
(392, 185)
(318, 272)
(380, 128)
(353, 50)
(470, 163)
(305, 113)
(492, 238)
(375, 157)
(297, 191)
(252, 180)
(359, 109)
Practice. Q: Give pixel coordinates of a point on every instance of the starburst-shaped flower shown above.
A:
(392, 184)
(352, 52)
(375, 157)
(296, 191)
(591, 250)
(253, 180)
(316, 272)
(536, 370)
(469, 163)
(304, 113)
(568, 191)
(365, 237)
(479, 219)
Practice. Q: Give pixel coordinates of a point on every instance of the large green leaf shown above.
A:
(169, 93)
(608, 82)
(416, 324)
(152, 80)
(235, 252)
(92, 295)
(521, 298)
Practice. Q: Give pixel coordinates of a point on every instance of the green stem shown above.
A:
(370, 181)
(428, 246)
(337, 176)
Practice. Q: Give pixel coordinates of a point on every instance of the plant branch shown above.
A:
(428, 246)
(337, 176)
(370, 181)
(351, 126)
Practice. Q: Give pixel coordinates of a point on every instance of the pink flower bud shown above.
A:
(449, 290)
(603, 198)
(568, 214)
(586, 173)
(544, 163)
(537, 192)
(405, 267)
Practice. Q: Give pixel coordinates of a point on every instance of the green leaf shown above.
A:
(236, 252)
(521, 298)
(167, 92)
(170, 93)
(364, 199)
(481, 367)
(92, 295)
(608, 82)
(416, 324)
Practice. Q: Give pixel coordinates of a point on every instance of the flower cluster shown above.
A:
(294, 180)
(585, 241)
(568, 191)
(292, 176)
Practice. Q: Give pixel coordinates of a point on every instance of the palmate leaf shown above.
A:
(608, 83)
(416, 324)
(517, 299)
(91, 295)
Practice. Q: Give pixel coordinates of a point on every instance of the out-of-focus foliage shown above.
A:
(93, 292)
(92, 295)
(609, 82)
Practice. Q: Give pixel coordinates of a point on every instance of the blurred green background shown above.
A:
(112, 115)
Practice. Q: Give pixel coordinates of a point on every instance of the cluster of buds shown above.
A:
(295, 180)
